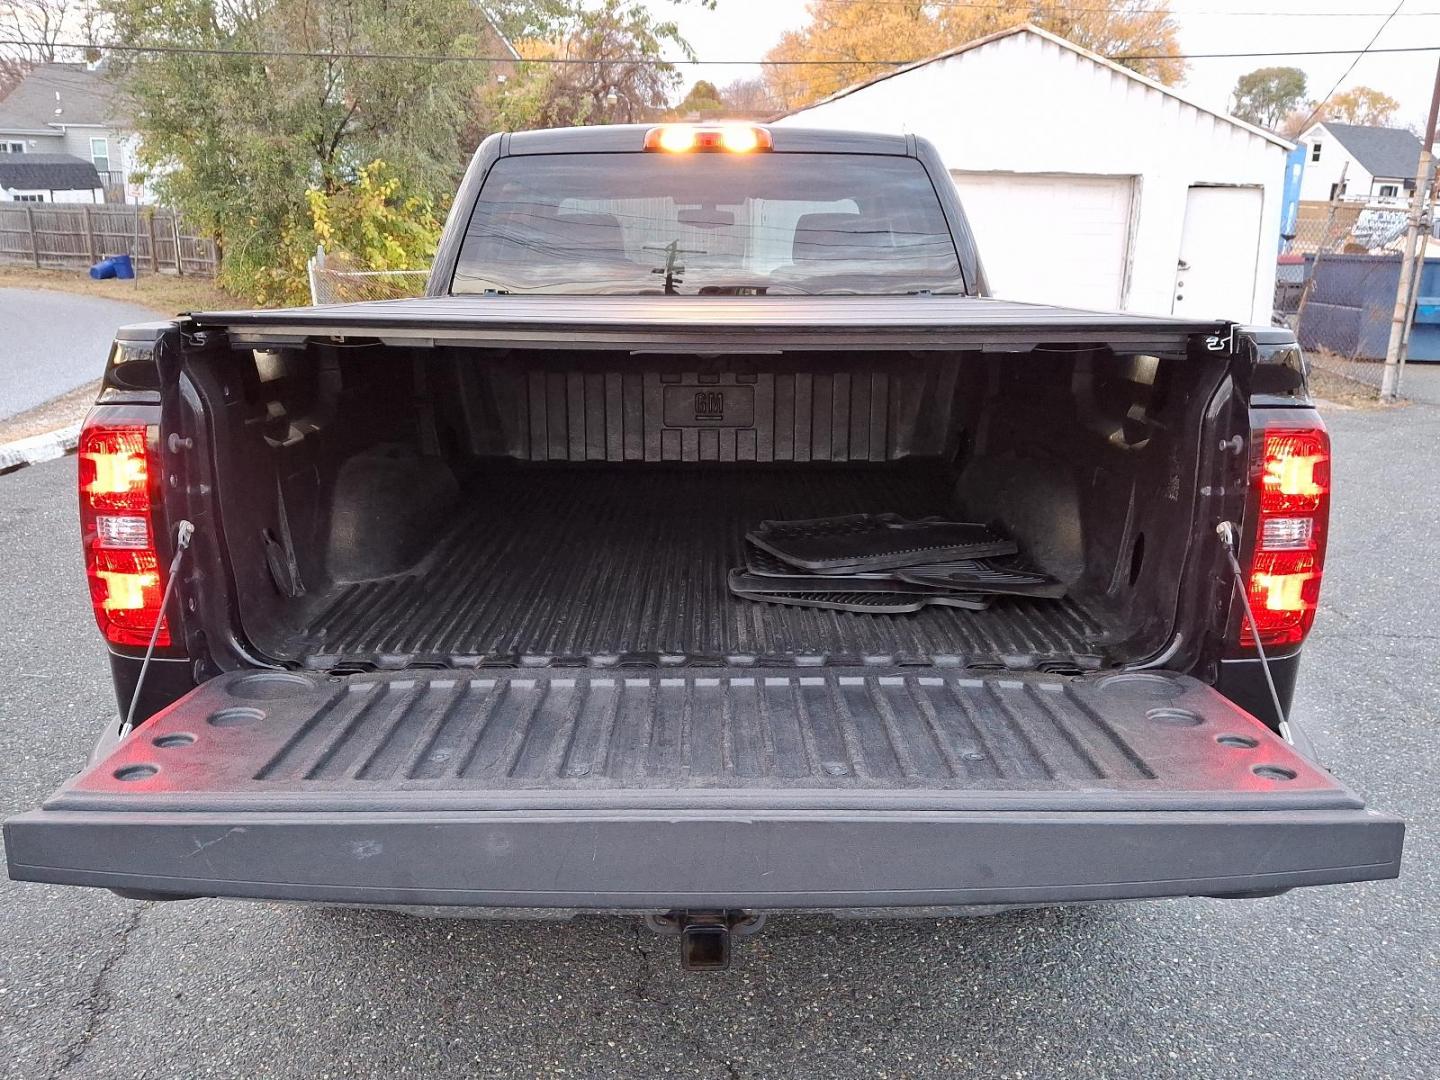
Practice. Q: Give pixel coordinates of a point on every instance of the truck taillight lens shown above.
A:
(118, 485)
(1292, 477)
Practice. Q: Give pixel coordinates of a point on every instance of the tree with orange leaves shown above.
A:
(845, 34)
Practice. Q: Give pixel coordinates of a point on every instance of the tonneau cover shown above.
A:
(784, 321)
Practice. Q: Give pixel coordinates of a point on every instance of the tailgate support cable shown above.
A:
(183, 532)
(1226, 532)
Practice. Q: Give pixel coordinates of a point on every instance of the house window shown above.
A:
(37, 197)
(100, 154)
(1315, 152)
(1389, 191)
(8, 147)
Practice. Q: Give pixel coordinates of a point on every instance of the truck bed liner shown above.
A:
(768, 737)
(556, 565)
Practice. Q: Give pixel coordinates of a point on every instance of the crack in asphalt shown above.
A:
(642, 954)
(97, 1000)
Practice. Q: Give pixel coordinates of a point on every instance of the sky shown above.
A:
(745, 29)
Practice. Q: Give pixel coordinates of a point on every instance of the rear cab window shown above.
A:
(708, 224)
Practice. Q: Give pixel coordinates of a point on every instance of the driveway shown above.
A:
(55, 341)
(1421, 382)
(1334, 982)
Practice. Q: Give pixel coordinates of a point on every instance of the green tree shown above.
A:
(600, 80)
(1267, 95)
(238, 137)
(702, 101)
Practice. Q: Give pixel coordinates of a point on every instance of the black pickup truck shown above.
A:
(439, 593)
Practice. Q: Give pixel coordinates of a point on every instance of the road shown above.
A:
(55, 341)
(1337, 982)
(1421, 382)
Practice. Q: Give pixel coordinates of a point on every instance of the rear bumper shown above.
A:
(703, 858)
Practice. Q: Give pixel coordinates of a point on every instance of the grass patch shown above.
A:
(165, 294)
(58, 412)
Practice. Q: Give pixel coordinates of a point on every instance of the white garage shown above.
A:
(1085, 183)
(1093, 211)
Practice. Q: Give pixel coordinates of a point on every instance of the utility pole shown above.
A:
(1404, 294)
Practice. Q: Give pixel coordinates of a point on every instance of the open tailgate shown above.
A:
(722, 788)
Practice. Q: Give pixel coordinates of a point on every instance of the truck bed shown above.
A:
(565, 564)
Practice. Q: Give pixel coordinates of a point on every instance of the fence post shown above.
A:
(316, 267)
(34, 237)
(90, 233)
(154, 244)
(175, 235)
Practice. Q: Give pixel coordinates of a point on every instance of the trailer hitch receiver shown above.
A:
(705, 936)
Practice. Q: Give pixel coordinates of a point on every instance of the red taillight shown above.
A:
(118, 485)
(1292, 475)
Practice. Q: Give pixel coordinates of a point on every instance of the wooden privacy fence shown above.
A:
(51, 235)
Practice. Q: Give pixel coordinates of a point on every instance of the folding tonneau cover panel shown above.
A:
(721, 788)
(726, 323)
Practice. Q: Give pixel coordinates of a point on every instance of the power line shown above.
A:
(1375, 37)
(305, 54)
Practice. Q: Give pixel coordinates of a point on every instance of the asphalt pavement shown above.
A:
(1335, 982)
(55, 341)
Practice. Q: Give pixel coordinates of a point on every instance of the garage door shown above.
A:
(1051, 238)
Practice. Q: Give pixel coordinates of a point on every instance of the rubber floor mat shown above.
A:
(1009, 576)
(761, 563)
(1002, 575)
(854, 543)
(870, 603)
(744, 581)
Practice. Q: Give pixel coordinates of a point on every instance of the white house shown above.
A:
(73, 109)
(1378, 163)
(1085, 183)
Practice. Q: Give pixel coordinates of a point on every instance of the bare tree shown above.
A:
(42, 25)
(36, 32)
(749, 99)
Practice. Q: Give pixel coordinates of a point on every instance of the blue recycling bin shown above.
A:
(113, 266)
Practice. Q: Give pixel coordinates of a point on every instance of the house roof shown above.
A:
(47, 172)
(57, 94)
(500, 37)
(1031, 28)
(1381, 151)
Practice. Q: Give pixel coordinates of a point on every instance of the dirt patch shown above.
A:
(1329, 385)
(68, 408)
(165, 294)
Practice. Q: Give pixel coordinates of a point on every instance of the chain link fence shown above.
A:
(334, 280)
(1336, 285)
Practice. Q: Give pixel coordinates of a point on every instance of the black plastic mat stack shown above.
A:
(884, 564)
